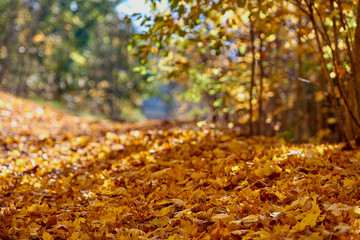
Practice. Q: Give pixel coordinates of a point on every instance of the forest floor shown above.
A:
(65, 177)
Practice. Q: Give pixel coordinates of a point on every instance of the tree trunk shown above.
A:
(7, 60)
(261, 89)
(347, 97)
(336, 107)
(252, 83)
(321, 114)
(299, 90)
(357, 60)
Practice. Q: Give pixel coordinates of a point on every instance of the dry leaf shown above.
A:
(65, 177)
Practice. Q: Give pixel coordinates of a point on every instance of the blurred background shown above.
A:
(74, 55)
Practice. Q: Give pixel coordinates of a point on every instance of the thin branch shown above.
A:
(324, 33)
(299, 6)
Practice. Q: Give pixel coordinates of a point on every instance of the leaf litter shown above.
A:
(64, 177)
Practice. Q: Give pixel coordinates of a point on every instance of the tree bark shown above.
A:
(357, 49)
(261, 89)
(252, 83)
(336, 108)
(7, 60)
(299, 90)
(357, 61)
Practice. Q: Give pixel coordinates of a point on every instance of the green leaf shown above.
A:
(218, 102)
(242, 49)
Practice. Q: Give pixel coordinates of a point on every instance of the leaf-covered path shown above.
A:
(63, 177)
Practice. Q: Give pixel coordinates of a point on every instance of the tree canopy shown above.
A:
(278, 65)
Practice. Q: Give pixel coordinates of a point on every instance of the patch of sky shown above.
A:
(73, 6)
(130, 7)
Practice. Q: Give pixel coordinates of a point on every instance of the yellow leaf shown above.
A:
(38, 38)
(159, 222)
(265, 235)
(310, 218)
(75, 236)
(225, 138)
(220, 216)
(16, 153)
(357, 210)
(319, 96)
(164, 202)
(338, 208)
(47, 236)
(342, 228)
(32, 208)
(314, 236)
(178, 202)
(166, 210)
(239, 232)
(349, 182)
(101, 156)
(33, 230)
(219, 153)
(267, 169)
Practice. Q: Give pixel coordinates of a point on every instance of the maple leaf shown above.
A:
(267, 169)
(310, 219)
(47, 236)
(69, 178)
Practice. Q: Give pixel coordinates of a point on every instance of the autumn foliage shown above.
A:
(64, 177)
(267, 63)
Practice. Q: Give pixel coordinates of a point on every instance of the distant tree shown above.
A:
(72, 51)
